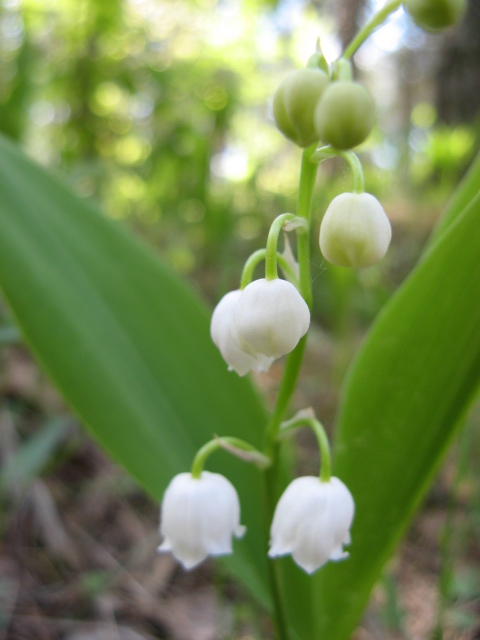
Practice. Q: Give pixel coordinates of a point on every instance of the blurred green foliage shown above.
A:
(151, 109)
(161, 111)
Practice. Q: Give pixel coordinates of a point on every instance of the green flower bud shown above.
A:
(344, 116)
(355, 231)
(294, 104)
(433, 15)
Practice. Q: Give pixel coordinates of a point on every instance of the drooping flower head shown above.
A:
(221, 332)
(199, 516)
(355, 231)
(312, 522)
(269, 318)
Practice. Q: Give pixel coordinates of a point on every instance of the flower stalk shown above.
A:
(259, 256)
(272, 241)
(372, 25)
(308, 173)
(325, 153)
(240, 448)
(293, 363)
(268, 318)
(322, 439)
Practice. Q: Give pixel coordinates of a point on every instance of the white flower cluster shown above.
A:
(251, 328)
(263, 322)
(311, 522)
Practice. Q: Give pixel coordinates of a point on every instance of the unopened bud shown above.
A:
(434, 15)
(355, 231)
(344, 115)
(294, 104)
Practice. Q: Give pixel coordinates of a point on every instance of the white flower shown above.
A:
(269, 318)
(221, 332)
(355, 231)
(199, 517)
(312, 522)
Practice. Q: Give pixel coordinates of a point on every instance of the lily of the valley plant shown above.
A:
(321, 109)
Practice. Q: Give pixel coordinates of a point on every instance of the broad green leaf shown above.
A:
(126, 341)
(405, 394)
(464, 194)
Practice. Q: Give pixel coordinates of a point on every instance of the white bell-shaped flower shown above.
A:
(269, 318)
(355, 231)
(221, 332)
(199, 516)
(312, 522)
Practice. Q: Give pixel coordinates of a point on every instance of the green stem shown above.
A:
(272, 242)
(255, 259)
(274, 574)
(271, 483)
(218, 443)
(293, 363)
(375, 21)
(287, 386)
(357, 170)
(324, 446)
(322, 439)
(308, 174)
(325, 153)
